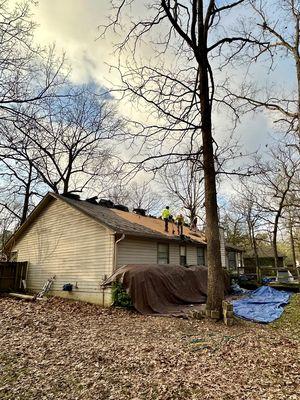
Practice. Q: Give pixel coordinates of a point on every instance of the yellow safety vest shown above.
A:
(165, 213)
(180, 219)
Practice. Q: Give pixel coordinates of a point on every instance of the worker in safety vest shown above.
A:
(179, 222)
(166, 214)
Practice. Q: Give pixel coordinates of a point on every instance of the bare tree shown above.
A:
(73, 140)
(180, 94)
(143, 196)
(276, 23)
(28, 73)
(136, 195)
(183, 183)
(7, 225)
(19, 181)
(249, 215)
(275, 184)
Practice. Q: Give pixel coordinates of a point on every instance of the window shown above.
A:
(231, 260)
(182, 253)
(200, 256)
(163, 253)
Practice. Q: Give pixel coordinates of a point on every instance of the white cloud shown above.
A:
(72, 25)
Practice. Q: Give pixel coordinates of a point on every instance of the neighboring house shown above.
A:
(234, 259)
(266, 259)
(83, 243)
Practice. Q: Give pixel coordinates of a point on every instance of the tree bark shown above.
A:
(215, 289)
(274, 241)
(292, 241)
(26, 196)
(254, 248)
(297, 61)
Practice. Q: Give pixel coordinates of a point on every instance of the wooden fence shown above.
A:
(11, 275)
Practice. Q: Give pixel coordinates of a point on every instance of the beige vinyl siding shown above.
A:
(191, 255)
(66, 243)
(139, 251)
(136, 251)
(174, 254)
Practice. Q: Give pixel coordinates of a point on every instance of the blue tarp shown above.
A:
(265, 304)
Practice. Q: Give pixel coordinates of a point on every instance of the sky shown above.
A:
(73, 26)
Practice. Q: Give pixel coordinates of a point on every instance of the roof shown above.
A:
(266, 252)
(230, 246)
(130, 223)
(118, 221)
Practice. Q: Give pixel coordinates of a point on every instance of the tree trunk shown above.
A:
(215, 289)
(26, 197)
(274, 242)
(292, 241)
(278, 215)
(297, 61)
(255, 251)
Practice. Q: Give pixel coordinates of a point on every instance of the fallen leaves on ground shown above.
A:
(69, 350)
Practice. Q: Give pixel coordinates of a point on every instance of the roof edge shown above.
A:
(31, 217)
(37, 211)
(74, 206)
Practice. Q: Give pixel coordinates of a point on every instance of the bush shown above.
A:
(120, 297)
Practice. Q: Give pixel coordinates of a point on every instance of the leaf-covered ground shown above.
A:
(69, 350)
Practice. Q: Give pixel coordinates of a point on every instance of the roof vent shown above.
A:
(121, 207)
(140, 211)
(92, 200)
(71, 195)
(106, 203)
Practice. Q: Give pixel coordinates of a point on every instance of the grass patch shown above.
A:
(290, 319)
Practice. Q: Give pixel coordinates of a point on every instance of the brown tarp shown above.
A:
(162, 289)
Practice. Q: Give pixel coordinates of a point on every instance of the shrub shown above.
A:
(120, 297)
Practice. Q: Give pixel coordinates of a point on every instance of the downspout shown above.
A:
(114, 261)
(115, 252)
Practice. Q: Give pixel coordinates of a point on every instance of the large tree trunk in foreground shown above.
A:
(215, 290)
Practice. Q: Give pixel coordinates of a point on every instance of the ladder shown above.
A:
(45, 289)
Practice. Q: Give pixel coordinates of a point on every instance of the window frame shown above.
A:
(204, 258)
(159, 258)
(230, 267)
(183, 258)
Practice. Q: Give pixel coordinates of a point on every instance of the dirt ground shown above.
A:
(68, 350)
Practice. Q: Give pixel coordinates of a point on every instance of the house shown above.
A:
(234, 259)
(266, 259)
(82, 243)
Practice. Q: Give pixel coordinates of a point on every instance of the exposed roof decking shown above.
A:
(131, 223)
